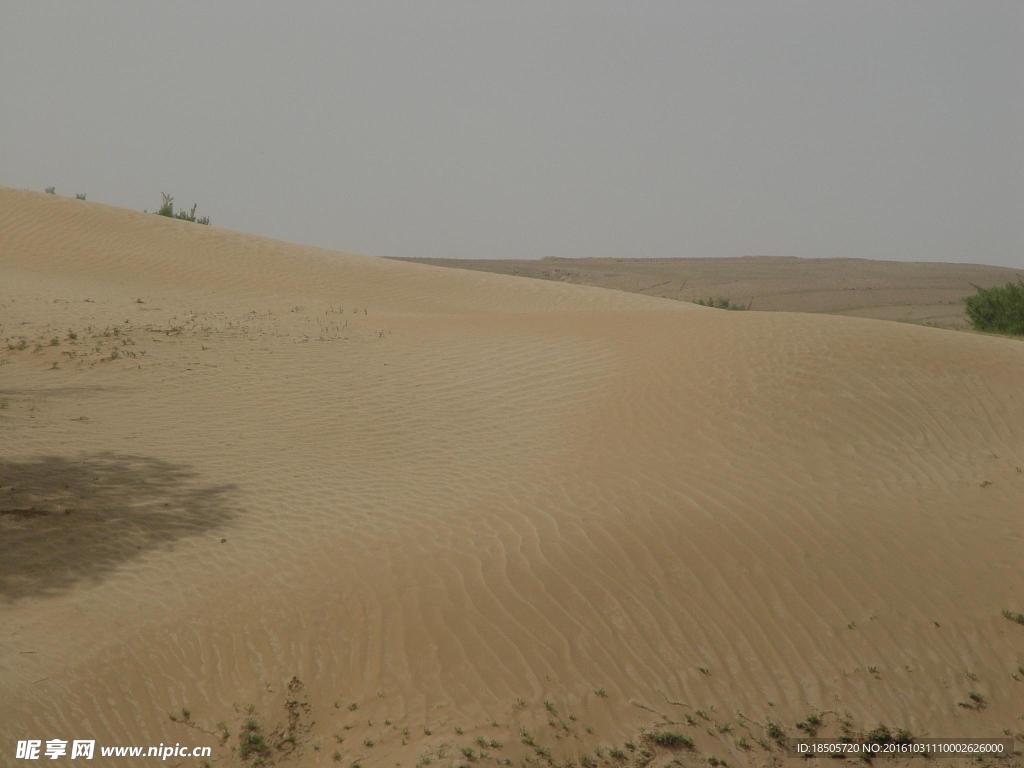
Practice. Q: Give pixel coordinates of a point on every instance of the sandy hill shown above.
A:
(928, 293)
(388, 514)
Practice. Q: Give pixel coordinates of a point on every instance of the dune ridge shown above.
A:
(928, 293)
(449, 505)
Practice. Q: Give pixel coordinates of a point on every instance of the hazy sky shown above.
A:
(887, 129)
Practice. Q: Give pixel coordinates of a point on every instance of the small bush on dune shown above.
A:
(167, 209)
(719, 303)
(671, 740)
(51, 190)
(999, 309)
(251, 742)
(882, 735)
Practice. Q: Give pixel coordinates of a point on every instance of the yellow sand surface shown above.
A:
(385, 513)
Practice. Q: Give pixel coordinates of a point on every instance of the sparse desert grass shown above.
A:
(1015, 617)
(167, 209)
(252, 745)
(671, 739)
(974, 700)
(810, 725)
(719, 302)
(258, 750)
(774, 731)
(884, 735)
(572, 748)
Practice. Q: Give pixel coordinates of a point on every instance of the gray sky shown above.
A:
(887, 129)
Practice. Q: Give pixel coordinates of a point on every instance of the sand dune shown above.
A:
(928, 293)
(386, 509)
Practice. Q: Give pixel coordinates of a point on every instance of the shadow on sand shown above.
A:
(64, 519)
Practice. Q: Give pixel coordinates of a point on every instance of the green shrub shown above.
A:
(719, 303)
(1017, 618)
(251, 743)
(775, 731)
(167, 209)
(999, 309)
(882, 735)
(671, 740)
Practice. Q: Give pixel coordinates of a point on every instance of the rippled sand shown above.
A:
(448, 505)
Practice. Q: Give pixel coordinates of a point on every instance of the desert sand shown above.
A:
(402, 515)
(928, 293)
